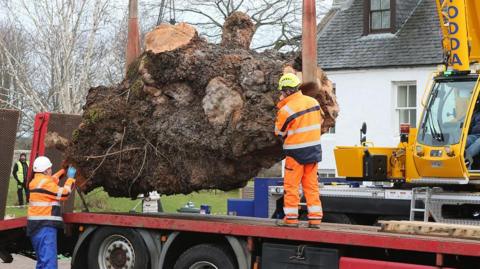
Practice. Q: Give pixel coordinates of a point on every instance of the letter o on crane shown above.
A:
(455, 12)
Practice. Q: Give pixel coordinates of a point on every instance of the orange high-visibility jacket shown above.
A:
(299, 123)
(44, 204)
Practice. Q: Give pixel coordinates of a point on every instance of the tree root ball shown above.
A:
(189, 115)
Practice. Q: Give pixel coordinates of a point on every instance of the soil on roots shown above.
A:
(200, 116)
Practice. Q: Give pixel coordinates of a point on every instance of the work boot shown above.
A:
(288, 223)
(314, 224)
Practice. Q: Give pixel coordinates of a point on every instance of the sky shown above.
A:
(265, 35)
(148, 16)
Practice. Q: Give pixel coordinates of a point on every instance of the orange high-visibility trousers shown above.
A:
(306, 174)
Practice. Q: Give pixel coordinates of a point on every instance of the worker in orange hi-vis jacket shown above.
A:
(44, 212)
(298, 123)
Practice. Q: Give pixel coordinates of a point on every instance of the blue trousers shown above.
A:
(473, 145)
(44, 243)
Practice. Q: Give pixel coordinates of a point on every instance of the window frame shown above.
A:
(334, 90)
(398, 109)
(367, 15)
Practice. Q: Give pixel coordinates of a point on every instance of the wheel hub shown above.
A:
(118, 258)
(116, 252)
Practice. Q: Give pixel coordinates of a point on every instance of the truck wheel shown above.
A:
(205, 256)
(112, 248)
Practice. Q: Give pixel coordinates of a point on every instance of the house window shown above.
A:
(407, 103)
(379, 16)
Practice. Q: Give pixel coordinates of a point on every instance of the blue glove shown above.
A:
(71, 172)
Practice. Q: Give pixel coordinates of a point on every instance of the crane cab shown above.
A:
(434, 153)
(448, 130)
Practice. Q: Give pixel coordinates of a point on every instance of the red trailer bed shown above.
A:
(167, 237)
(353, 235)
(12, 224)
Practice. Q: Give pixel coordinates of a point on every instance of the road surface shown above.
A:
(21, 262)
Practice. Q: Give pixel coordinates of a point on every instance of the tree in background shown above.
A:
(11, 96)
(53, 51)
(277, 22)
(64, 47)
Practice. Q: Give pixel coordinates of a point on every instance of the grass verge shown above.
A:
(99, 201)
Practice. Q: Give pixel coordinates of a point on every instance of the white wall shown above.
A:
(369, 96)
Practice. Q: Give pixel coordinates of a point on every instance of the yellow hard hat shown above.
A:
(288, 80)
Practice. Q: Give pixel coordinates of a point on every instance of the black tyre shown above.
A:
(337, 218)
(112, 248)
(206, 256)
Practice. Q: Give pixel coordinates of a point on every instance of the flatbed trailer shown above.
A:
(138, 240)
(367, 205)
(157, 240)
(364, 203)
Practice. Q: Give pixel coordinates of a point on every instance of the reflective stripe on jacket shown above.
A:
(299, 123)
(44, 205)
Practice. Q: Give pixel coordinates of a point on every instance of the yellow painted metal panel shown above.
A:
(473, 22)
(440, 167)
(411, 171)
(349, 160)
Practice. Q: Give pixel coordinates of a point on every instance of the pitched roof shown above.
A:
(417, 41)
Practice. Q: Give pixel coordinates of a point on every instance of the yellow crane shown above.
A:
(460, 24)
(434, 152)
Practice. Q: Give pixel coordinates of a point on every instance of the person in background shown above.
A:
(20, 170)
(44, 212)
(298, 123)
(473, 139)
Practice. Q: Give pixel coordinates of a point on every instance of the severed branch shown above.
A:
(110, 154)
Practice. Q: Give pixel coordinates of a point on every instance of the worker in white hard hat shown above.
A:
(44, 212)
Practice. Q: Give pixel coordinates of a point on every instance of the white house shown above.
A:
(380, 55)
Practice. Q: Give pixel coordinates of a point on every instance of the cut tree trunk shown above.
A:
(189, 115)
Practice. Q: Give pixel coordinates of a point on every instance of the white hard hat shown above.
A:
(41, 164)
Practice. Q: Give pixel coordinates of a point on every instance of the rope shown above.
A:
(172, 12)
(170, 5)
(161, 12)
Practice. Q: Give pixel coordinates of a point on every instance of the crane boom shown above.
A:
(133, 37)
(473, 22)
(460, 24)
(309, 41)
